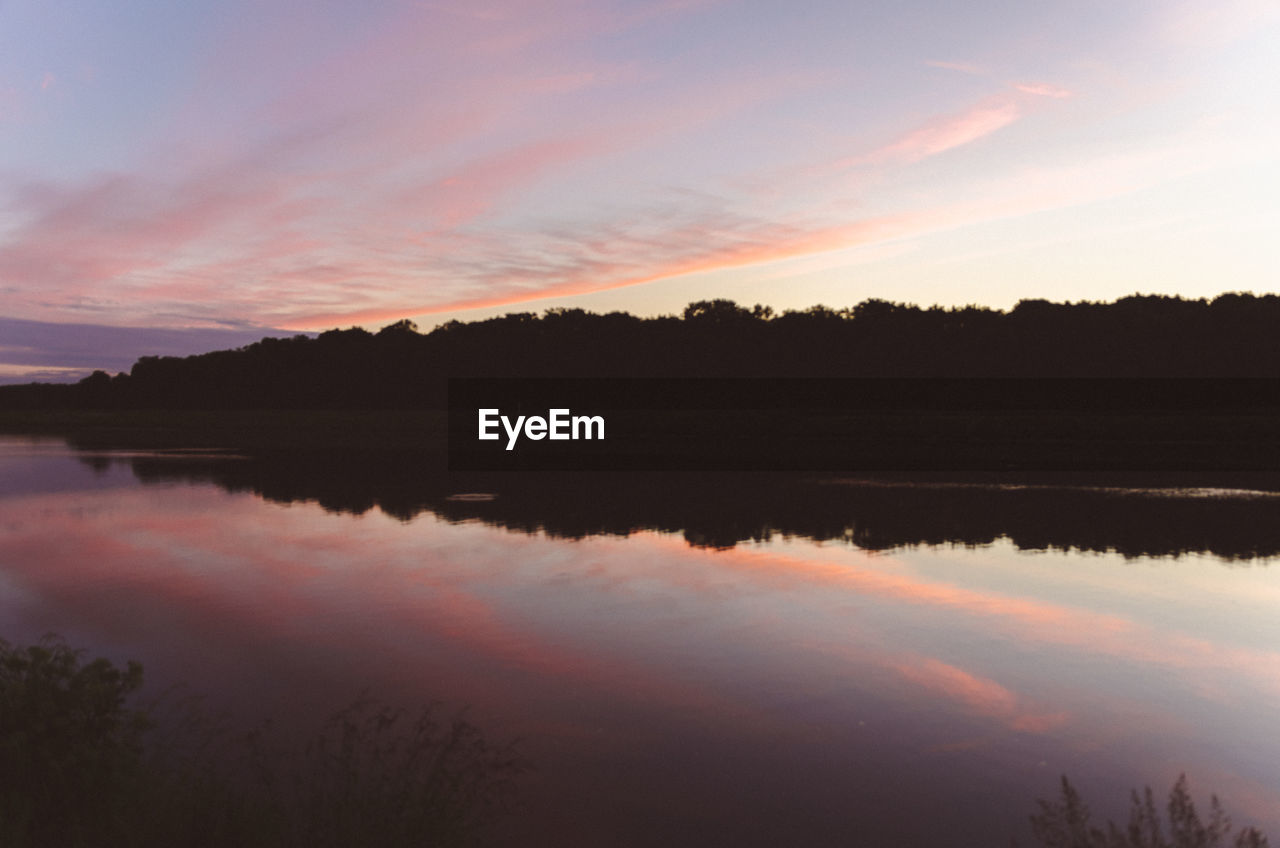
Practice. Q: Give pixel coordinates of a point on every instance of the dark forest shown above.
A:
(1232, 335)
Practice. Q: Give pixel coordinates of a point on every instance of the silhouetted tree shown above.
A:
(403, 327)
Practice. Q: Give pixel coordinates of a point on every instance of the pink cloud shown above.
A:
(276, 252)
(343, 207)
(930, 138)
(186, 556)
(103, 240)
(610, 262)
(319, 200)
(946, 133)
(468, 192)
(979, 694)
(1032, 620)
(1043, 89)
(174, 558)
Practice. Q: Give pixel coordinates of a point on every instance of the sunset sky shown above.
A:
(194, 175)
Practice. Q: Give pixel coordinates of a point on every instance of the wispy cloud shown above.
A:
(712, 234)
(342, 218)
(1033, 620)
(946, 133)
(979, 694)
(1043, 89)
(428, 158)
(625, 254)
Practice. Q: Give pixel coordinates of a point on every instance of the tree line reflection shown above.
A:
(1232, 517)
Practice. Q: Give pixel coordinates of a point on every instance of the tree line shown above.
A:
(1232, 335)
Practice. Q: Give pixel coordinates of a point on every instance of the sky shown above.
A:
(175, 175)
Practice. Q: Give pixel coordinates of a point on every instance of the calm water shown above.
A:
(864, 664)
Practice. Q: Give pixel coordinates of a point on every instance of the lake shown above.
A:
(747, 660)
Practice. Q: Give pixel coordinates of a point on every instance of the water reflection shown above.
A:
(798, 689)
(1234, 517)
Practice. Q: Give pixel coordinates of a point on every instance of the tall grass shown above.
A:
(81, 766)
(1065, 823)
